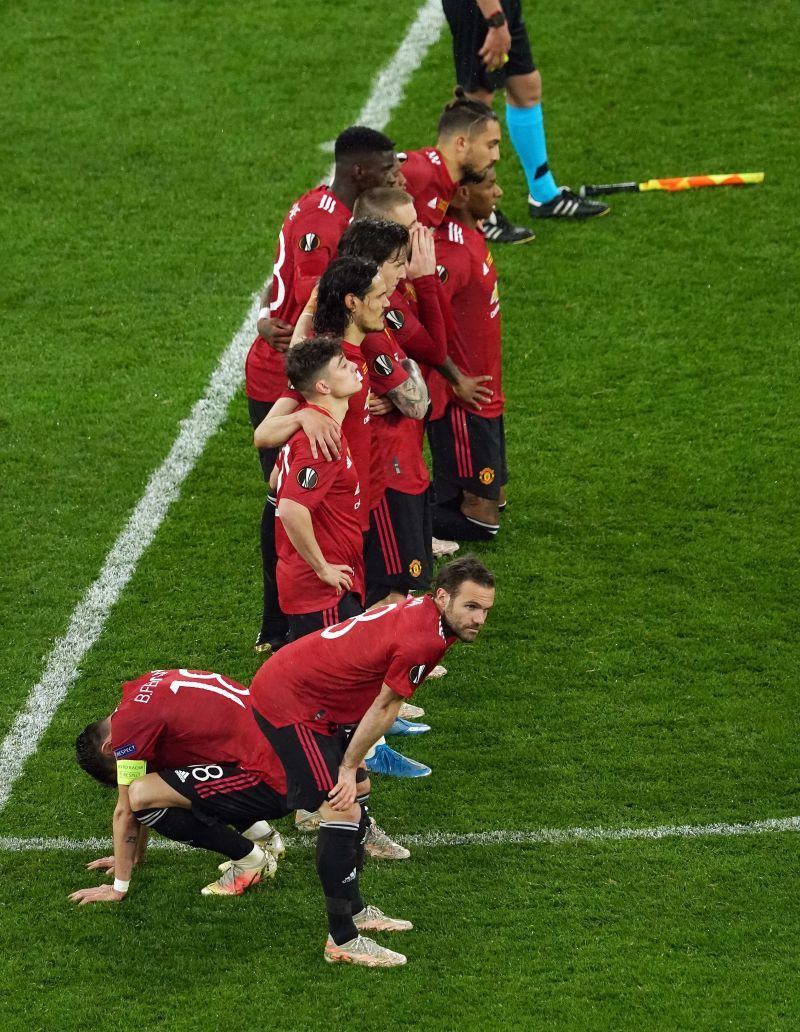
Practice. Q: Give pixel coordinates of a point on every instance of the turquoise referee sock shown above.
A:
(526, 129)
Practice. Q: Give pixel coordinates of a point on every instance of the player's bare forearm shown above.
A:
(375, 722)
(411, 397)
(304, 327)
(126, 837)
(296, 521)
(449, 370)
(278, 425)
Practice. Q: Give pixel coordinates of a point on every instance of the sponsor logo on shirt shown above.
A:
(433, 202)
(433, 157)
(416, 674)
(309, 242)
(486, 475)
(395, 318)
(415, 567)
(124, 750)
(383, 365)
(308, 478)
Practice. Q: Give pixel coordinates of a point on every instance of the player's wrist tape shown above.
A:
(263, 313)
(494, 21)
(120, 885)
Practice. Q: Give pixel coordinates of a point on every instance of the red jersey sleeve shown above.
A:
(135, 729)
(383, 358)
(422, 335)
(304, 479)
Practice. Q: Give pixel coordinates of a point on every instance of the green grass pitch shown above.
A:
(640, 667)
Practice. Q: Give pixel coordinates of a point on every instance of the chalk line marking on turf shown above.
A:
(89, 618)
(436, 839)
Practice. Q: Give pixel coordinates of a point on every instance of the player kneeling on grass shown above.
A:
(324, 700)
(213, 769)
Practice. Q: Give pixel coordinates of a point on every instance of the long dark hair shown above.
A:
(342, 277)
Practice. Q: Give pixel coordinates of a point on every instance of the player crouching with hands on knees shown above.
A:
(324, 700)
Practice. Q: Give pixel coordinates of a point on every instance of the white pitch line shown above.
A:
(89, 617)
(436, 839)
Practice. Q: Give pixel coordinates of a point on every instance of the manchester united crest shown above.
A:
(415, 567)
(486, 475)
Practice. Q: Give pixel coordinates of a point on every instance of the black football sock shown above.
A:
(274, 624)
(337, 844)
(363, 828)
(201, 832)
(453, 525)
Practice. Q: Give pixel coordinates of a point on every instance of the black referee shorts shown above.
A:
(469, 454)
(469, 31)
(235, 796)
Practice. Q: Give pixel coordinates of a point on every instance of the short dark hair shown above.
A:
(91, 757)
(466, 568)
(379, 201)
(342, 277)
(463, 115)
(376, 239)
(306, 360)
(360, 141)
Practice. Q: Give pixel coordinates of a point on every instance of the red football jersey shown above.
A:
(306, 244)
(335, 675)
(397, 460)
(429, 183)
(356, 426)
(417, 321)
(469, 278)
(383, 358)
(330, 491)
(171, 718)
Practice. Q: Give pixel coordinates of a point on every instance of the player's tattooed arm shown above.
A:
(411, 397)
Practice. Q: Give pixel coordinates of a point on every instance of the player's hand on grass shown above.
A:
(473, 390)
(339, 577)
(343, 794)
(379, 406)
(99, 894)
(323, 433)
(495, 47)
(103, 863)
(276, 332)
(423, 254)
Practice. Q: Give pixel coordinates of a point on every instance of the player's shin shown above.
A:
(337, 867)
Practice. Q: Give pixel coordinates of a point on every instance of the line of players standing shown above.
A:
(391, 259)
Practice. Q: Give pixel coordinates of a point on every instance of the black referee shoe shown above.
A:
(566, 205)
(498, 230)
